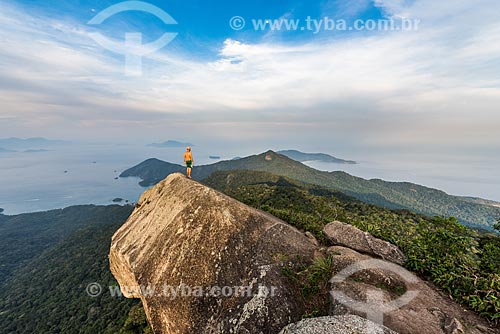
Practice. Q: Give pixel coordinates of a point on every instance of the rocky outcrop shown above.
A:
(347, 324)
(346, 235)
(384, 291)
(204, 263)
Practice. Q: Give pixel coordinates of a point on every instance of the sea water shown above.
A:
(88, 174)
(472, 177)
(76, 174)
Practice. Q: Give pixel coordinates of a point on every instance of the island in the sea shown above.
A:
(4, 150)
(36, 150)
(214, 157)
(322, 157)
(170, 143)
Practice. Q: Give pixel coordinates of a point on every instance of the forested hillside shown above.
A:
(54, 255)
(50, 258)
(461, 261)
(394, 195)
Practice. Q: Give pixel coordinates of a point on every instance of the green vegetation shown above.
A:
(51, 258)
(48, 258)
(497, 226)
(152, 171)
(392, 195)
(461, 261)
(312, 282)
(24, 237)
(136, 322)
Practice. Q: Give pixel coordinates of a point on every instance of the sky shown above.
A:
(431, 89)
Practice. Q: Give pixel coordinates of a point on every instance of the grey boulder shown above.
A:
(346, 324)
(184, 239)
(346, 235)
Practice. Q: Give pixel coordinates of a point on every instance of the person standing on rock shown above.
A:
(188, 161)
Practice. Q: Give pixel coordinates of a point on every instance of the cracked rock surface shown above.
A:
(346, 235)
(185, 236)
(347, 324)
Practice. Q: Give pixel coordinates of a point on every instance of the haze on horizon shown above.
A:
(434, 90)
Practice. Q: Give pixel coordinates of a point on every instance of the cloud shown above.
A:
(438, 85)
(345, 9)
(393, 7)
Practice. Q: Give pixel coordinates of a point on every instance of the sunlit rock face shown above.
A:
(194, 246)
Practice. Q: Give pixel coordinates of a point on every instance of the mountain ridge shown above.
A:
(395, 195)
(213, 238)
(321, 157)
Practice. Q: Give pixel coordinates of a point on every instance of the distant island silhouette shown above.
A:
(322, 157)
(170, 143)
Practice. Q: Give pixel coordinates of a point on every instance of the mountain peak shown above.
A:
(270, 155)
(394, 195)
(183, 233)
(188, 238)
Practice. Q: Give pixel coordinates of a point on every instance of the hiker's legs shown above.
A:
(189, 171)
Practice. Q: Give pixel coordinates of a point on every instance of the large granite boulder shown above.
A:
(390, 295)
(186, 248)
(347, 324)
(346, 235)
